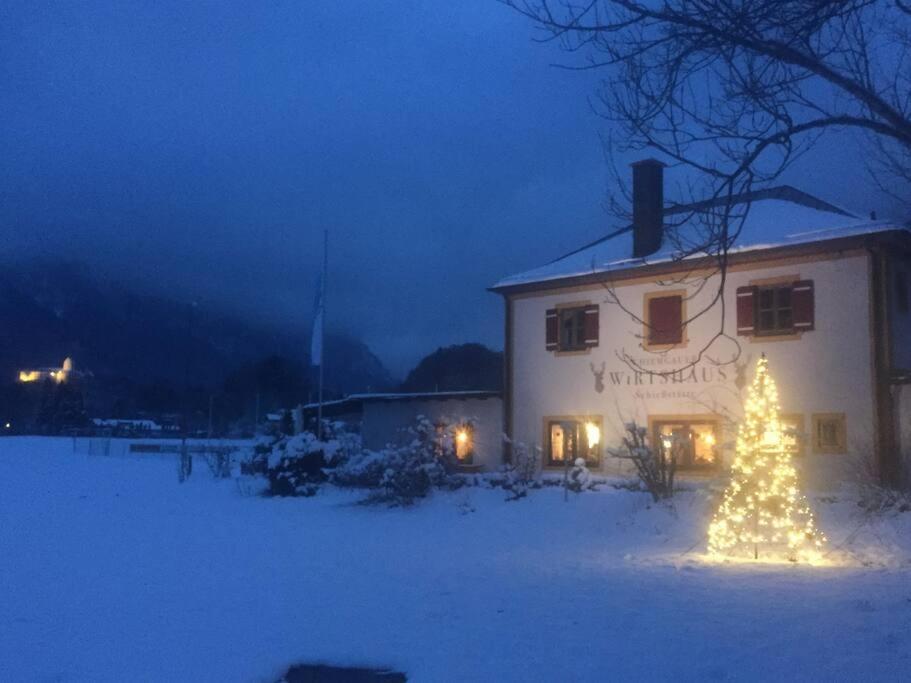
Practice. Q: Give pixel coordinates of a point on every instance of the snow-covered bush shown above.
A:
(872, 495)
(360, 470)
(521, 473)
(579, 478)
(257, 460)
(400, 475)
(297, 465)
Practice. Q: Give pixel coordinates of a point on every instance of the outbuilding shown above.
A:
(474, 419)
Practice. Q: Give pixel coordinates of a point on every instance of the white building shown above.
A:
(820, 291)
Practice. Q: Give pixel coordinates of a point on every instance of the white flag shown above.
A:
(316, 340)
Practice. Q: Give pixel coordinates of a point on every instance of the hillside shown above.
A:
(131, 341)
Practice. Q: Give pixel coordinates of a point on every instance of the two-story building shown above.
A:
(636, 327)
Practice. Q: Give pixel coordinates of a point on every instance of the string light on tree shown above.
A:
(763, 508)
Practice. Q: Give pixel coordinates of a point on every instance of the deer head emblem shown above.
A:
(599, 376)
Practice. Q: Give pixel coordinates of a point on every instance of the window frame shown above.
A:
(578, 422)
(469, 429)
(578, 311)
(775, 310)
(797, 419)
(657, 421)
(647, 328)
(841, 446)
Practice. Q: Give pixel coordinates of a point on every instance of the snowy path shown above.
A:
(110, 571)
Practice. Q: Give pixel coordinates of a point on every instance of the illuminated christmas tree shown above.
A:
(763, 508)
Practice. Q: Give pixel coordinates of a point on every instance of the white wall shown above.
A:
(827, 370)
(386, 422)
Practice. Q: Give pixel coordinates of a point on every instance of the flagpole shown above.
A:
(322, 335)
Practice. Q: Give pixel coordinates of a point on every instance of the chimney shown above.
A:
(648, 206)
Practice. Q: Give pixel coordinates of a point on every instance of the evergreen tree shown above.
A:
(763, 506)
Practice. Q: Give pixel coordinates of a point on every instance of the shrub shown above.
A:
(297, 465)
(656, 467)
(360, 470)
(872, 495)
(402, 474)
(521, 474)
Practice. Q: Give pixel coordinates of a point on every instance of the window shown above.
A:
(569, 438)
(664, 319)
(829, 433)
(463, 438)
(792, 432)
(694, 443)
(572, 329)
(774, 314)
(784, 307)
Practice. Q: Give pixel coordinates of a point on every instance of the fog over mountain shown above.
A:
(52, 309)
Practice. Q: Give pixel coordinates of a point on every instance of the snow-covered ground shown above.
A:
(112, 571)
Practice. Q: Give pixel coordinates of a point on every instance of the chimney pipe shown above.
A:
(648, 206)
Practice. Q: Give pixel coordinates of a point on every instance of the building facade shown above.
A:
(625, 331)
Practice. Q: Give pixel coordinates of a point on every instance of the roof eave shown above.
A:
(897, 236)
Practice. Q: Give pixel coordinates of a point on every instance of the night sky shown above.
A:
(199, 149)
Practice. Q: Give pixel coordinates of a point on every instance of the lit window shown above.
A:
(829, 433)
(571, 439)
(464, 444)
(694, 444)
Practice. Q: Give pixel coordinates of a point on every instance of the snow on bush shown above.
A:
(296, 465)
(656, 467)
(521, 474)
(400, 475)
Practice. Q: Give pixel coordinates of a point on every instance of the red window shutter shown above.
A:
(746, 296)
(592, 325)
(665, 319)
(552, 333)
(803, 305)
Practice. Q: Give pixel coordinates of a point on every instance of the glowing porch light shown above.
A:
(462, 436)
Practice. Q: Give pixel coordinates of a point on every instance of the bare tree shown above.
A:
(736, 91)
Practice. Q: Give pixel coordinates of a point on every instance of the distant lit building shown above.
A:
(59, 375)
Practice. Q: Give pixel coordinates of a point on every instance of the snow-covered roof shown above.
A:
(777, 217)
(405, 396)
